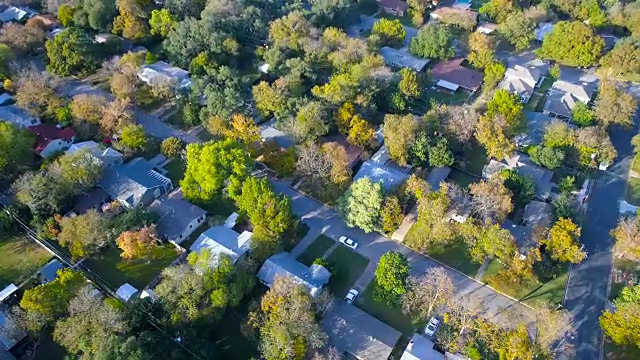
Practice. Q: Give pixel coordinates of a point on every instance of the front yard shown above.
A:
(390, 315)
(175, 171)
(21, 258)
(346, 267)
(632, 193)
(457, 98)
(316, 249)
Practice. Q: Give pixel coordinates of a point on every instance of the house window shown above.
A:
(190, 226)
(199, 219)
(156, 193)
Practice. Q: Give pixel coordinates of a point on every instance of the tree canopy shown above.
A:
(434, 41)
(392, 275)
(563, 242)
(390, 32)
(361, 204)
(71, 52)
(572, 44)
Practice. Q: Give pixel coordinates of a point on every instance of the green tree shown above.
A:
(565, 206)
(399, 133)
(554, 71)
(510, 107)
(84, 234)
(489, 241)
(65, 14)
(15, 149)
(172, 147)
(614, 106)
(573, 44)
(409, 84)
(133, 137)
(498, 10)
(481, 50)
(391, 215)
(518, 30)
(162, 22)
(310, 122)
(71, 52)
(621, 324)
(493, 135)
(551, 158)
(624, 59)
(361, 204)
(391, 32)
(434, 41)
(97, 14)
(627, 236)
(522, 187)
(210, 166)
(78, 171)
(440, 154)
(563, 242)
(23, 40)
(361, 132)
(582, 115)
(391, 278)
(417, 9)
(493, 73)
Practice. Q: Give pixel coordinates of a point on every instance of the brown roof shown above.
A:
(353, 151)
(447, 11)
(453, 72)
(394, 4)
(46, 19)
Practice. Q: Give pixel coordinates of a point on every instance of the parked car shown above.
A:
(351, 296)
(432, 326)
(348, 242)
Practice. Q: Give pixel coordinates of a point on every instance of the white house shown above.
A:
(521, 81)
(223, 240)
(51, 139)
(106, 155)
(160, 71)
(17, 116)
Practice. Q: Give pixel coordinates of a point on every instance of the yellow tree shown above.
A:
(361, 132)
(563, 242)
(138, 244)
(244, 129)
(343, 117)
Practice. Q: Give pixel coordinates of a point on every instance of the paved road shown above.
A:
(587, 288)
(152, 125)
(322, 219)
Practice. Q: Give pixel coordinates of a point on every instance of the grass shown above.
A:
(632, 194)
(473, 158)
(293, 237)
(405, 20)
(534, 101)
(618, 352)
(346, 267)
(441, 97)
(462, 179)
(635, 166)
(390, 315)
(139, 273)
(316, 249)
(175, 171)
(21, 258)
(455, 255)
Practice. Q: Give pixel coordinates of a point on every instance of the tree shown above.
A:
(627, 236)
(440, 154)
(572, 44)
(621, 325)
(286, 322)
(391, 32)
(492, 135)
(427, 292)
(409, 84)
(97, 14)
(290, 31)
(518, 30)
(212, 165)
(581, 115)
(434, 41)
(22, 39)
(361, 204)
(50, 301)
(555, 71)
(490, 241)
(185, 8)
(84, 234)
(116, 115)
(71, 52)
(265, 208)
(565, 206)
(558, 135)
(41, 192)
(491, 201)
(551, 158)
(624, 59)
(508, 105)
(460, 123)
(132, 23)
(310, 122)
(244, 129)
(399, 132)
(391, 278)
(594, 146)
(522, 187)
(361, 132)
(6, 56)
(36, 92)
(172, 147)
(391, 215)
(78, 171)
(498, 10)
(462, 312)
(15, 147)
(493, 73)
(138, 244)
(614, 106)
(65, 15)
(162, 22)
(133, 137)
(340, 172)
(124, 82)
(481, 50)
(563, 242)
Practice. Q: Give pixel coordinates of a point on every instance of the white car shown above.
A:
(432, 326)
(348, 242)
(351, 296)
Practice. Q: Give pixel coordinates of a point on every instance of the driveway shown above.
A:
(322, 219)
(152, 125)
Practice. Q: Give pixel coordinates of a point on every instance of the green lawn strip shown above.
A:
(632, 194)
(21, 258)
(462, 179)
(390, 315)
(145, 99)
(457, 98)
(315, 250)
(547, 83)
(139, 273)
(455, 255)
(346, 267)
(533, 102)
(175, 171)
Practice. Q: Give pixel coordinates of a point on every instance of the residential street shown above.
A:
(322, 219)
(152, 125)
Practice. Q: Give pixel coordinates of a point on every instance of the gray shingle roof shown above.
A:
(130, 182)
(10, 334)
(223, 240)
(268, 132)
(563, 97)
(388, 177)
(523, 165)
(283, 264)
(402, 59)
(176, 214)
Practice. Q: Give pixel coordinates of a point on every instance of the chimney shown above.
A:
(410, 345)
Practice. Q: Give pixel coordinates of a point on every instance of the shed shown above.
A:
(126, 291)
(8, 291)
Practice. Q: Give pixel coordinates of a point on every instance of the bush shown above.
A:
(64, 116)
(151, 58)
(547, 269)
(324, 263)
(551, 158)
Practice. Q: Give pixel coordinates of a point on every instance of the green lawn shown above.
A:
(457, 98)
(391, 316)
(534, 101)
(632, 194)
(405, 20)
(315, 250)
(146, 101)
(175, 171)
(456, 256)
(21, 258)
(462, 179)
(473, 158)
(139, 273)
(346, 267)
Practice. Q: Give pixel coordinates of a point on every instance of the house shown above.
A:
(437, 176)
(523, 165)
(537, 215)
(6, 99)
(223, 240)
(353, 151)
(161, 72)
(105, 155)
(521, 81)
(10, 335)
(8, 292)
(49, 272)
(381, 169)
(537, 124)
(52, 139)
(313, 277)
(542, 30)
(178, 217)
(451, 75)
(421, 348)
(402, 58)
(94, 199)
(353, 331)
(47, 21)
(126, 292)
(17, 14)
(610, 40)
(135, 183)
(55, 31)
(393, 7)
(486, 27)
(268, 132)
(564, 96)
(455, 15)
(17, 116)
